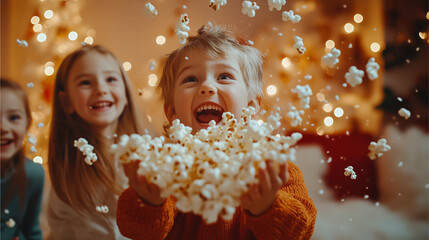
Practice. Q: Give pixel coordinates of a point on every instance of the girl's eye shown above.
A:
(85, 82)
(189, 79)
(111, 79)
(225, 76)
(14, 117)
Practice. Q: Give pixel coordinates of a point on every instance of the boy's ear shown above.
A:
(169, 112)
(256, 103)
(65, 103)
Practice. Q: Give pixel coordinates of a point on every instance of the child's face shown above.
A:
(96, 90)
(205, 88)
(13, 123)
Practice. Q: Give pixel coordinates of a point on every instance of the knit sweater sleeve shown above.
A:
(292, 215)
(138, 220)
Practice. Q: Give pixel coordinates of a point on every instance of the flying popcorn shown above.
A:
(304, 93)
(215, 4)
(150, 10)
(289, 16)
(354, 76)
(295, 117)
(404, 113)
(102, 209)
(86, 149)
(372, 68)
(331, 58)
(209, 171)
(277, 4)
(10, 223)
(376, 149)
(182, 28)
(22, 43)
(299, 45)
(348, 171)
(249, 8)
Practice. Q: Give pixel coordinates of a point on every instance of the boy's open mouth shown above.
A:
(207, 112)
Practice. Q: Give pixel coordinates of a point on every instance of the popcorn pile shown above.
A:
(295, 116)
(378, 148)
(289, 16)
(299, 45)
(348, 171)
(215, 4)
(403, 112)
(208, 172)
(86, 149)
(182, 28)
(372, 68)
(304, 93)
(277, 4)
(354, 76)
(150, 10)
(249, 8)
(331, 58)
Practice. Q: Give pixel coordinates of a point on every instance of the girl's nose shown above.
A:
(207, 88)
(101, 89)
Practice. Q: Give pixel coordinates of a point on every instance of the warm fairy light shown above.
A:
(338, 112)
(327, 107)
(375, 47)
(348, 27)
(49, 71)
(89, 40)
(286, 62)
(358, 18)
(152, 80)
(127, 66)
(319, 131)
(73, 35)
(328, 121)
(48, 14)
(271, 90)
(49, 64)
(35, 20)
(38, 160)
(330, 44)
(149, 118)
(37, 27)
(320, 97)
(423, 35)
(41, 37)
(160, 40)
(427, 15)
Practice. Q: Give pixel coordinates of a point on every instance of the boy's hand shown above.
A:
(149, 192)
(261, 196)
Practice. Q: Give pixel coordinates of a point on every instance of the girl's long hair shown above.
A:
(81, 186)
(19, 179)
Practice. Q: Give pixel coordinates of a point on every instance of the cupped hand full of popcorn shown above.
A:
(209, 173)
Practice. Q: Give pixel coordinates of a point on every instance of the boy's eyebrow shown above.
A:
(182, 70)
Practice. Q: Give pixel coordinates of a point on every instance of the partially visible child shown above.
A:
(21, 179)
(93, 99)
(215, 73)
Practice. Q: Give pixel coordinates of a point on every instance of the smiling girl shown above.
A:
(92, 100)
(21, 179)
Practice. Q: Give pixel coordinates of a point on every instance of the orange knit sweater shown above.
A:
(292, 216)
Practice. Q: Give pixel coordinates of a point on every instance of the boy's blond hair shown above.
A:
(215, 41)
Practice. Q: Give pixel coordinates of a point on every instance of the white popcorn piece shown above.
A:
(371, 69)
(22, 43)
(295, 116)
(10, 223)
(405, 113)
(277, 4)
(299, 45)
(354, 76)
(348, 171)
(102, 209)
(304, 93)
(86, 149)
(216, 4)
(150, 10)
(378, 148)
(182, 28)
(249, 8)
(209, 171)
(331, 58)
(289, 16)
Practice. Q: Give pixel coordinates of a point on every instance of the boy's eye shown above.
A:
(189, 79)
(14, 117)
(225, 76)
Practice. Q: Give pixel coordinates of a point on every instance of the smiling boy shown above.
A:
(215, 73)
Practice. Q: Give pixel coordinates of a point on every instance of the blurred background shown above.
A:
(389, 198)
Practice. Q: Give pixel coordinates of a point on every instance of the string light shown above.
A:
(327, 107)
(89, 40)
(348, 27)
(41, 37)
(328, 121)
(338, 112)
(319, 131)
(152, 80)
(427, 15)
(375, 47)
(37, 27)
(330, 44)
(49, 71)
(423, 35)
(48, 14)
(160, 40)
(358, 18)
(73, 35)
(271, 90)
(287, 63)
(127, 66)
(320, 97)
(38, 160)
(35, 20)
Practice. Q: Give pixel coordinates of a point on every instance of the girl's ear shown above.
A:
(169, 112)
(65, 103)
(256, 103)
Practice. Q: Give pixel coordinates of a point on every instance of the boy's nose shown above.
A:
(207, 89)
